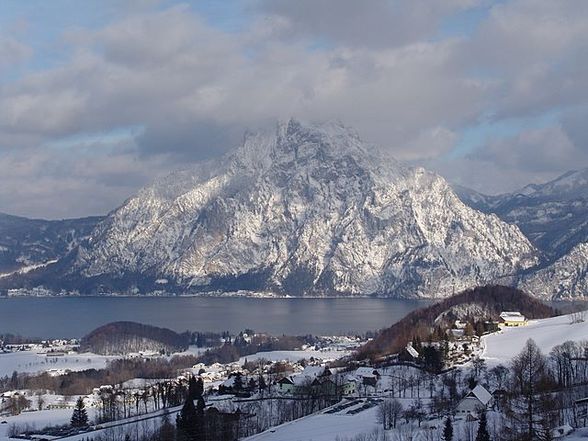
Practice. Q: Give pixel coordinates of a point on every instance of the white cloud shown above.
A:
(384, 70)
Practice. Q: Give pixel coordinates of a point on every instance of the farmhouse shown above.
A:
(476, 400)
(368, 376)
(512, 318)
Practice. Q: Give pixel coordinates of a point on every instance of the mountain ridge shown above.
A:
(306, 209)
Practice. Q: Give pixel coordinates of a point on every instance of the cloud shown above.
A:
(13, 52)
(379, 24)
(502, 165)
(387, 70)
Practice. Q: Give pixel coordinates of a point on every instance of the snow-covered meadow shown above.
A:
(31, 362)
(502, 346)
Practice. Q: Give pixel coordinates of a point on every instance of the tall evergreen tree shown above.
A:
(448, 430)
(238, 382)
(189, 423)
(80, 416)
(483, 434)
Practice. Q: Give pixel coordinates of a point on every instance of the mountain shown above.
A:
(554, 216)
(26, 244)
(303, 210)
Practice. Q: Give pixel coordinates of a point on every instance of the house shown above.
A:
(309, 379)
(412, 352)
(476, 400)
(368, 376)
(286, 385)
(349, 386)
(512, 318)
(581, 410)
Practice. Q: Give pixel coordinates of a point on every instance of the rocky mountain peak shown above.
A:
(305, 209)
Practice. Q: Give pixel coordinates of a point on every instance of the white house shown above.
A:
(476, 400)
(412, 351)
(368, 375)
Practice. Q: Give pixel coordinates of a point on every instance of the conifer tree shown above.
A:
(189, 423)
(483, 434)
(238, 382)
(448, 430)
(80, 416)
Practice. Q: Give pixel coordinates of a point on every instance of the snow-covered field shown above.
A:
(38, 419)
(294, 356)
(547, 333)
(29, 361)
(322, 427)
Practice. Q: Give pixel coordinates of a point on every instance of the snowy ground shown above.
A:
(294, 356)
(38, 419)
(29, 361)
(322, 427)
(547, 333)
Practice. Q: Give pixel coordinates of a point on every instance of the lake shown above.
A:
(73, 317)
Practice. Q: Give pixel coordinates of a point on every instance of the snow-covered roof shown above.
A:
(366, 372)
(512, 316)
(309, 374)
(412, 351)
(481, 394)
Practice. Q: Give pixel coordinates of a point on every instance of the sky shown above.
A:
(98, 98)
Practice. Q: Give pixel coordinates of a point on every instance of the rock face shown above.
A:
(554, 216)
(565, 278)
(304, 210)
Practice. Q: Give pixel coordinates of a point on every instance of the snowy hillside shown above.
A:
(547, 333)
(303, 210)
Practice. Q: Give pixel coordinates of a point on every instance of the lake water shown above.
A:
(50, 317)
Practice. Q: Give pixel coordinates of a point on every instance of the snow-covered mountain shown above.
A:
(554, 216)
(307, 209)
(26, 244)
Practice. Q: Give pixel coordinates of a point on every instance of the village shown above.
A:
(275, 387)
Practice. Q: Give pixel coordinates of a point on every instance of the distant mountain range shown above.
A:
(26, 244)
(312, 210)
(554, 216)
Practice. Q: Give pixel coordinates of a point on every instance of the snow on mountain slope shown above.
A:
(565, 278)
(304, 209)
(547, 333)
(554, 216)
(29, 243)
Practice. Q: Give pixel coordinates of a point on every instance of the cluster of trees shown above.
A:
(532, 395)
(239, 346)
(119, 402)
(120, 338)
(196, 423)
(82, 382)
